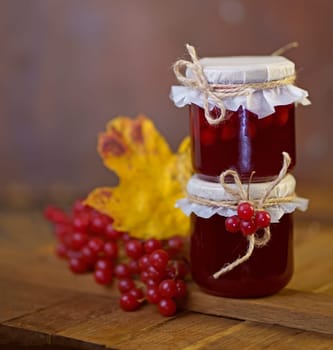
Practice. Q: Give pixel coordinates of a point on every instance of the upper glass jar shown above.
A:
(242, 114)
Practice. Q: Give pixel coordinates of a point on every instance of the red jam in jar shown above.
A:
(242, 118)
(268, 267)
(267, 271)
(242, 142)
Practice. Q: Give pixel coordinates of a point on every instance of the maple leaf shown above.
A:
(151, 179)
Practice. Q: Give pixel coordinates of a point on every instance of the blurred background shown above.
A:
(69, 66)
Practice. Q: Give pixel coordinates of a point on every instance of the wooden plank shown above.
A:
(81, 307)
(33, 308)
(306, 311)
(41, 327)
(116, 327)
(36, 266)
(313, 257)
(254, 336)
(179, 333)
(18, 298)
(15, 338)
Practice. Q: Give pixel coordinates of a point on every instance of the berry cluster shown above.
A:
(159, 271)
(151, 270)
(247, 220)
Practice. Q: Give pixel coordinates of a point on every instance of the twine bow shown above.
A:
(241, 195)
(217, 92)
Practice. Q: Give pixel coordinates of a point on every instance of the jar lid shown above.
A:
(245, 69)
(215, 192)
(268, 81)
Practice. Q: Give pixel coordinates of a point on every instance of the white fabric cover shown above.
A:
(245, 69)
(214, 191)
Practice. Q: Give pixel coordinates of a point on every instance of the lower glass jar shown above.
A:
(267, 271)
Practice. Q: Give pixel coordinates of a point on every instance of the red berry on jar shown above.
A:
(228, 132)
(281, 117)
(262, 219)
(208, 136)
(232, 224)
(245, 210)
(248, 227)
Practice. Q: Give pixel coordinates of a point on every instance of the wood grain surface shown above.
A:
(42, 303)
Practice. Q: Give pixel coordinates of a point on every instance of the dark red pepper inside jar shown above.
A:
(242, 142)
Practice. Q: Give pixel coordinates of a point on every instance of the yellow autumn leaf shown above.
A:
(151, 179)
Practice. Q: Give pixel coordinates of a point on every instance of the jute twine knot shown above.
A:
(217, 92)
(241, 195)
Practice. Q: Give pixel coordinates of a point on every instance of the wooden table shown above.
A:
(41, 302)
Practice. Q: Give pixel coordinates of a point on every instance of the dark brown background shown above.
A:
(68, 66)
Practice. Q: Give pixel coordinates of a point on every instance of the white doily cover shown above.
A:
(245, 69)
(214, 191)
(260, 102)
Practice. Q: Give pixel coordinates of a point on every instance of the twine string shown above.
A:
(285, 48)
(217, 92)
(241, 195)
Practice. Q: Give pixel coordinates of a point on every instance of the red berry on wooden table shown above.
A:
(159, 259)
(103, 277)
(167, 307)
(129, 302)
(168, 288)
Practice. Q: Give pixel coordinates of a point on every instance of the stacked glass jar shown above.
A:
(242, 117)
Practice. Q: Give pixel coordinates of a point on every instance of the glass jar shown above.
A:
(242, 118)
(242, 142)
(253, 100)
(268, 269)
